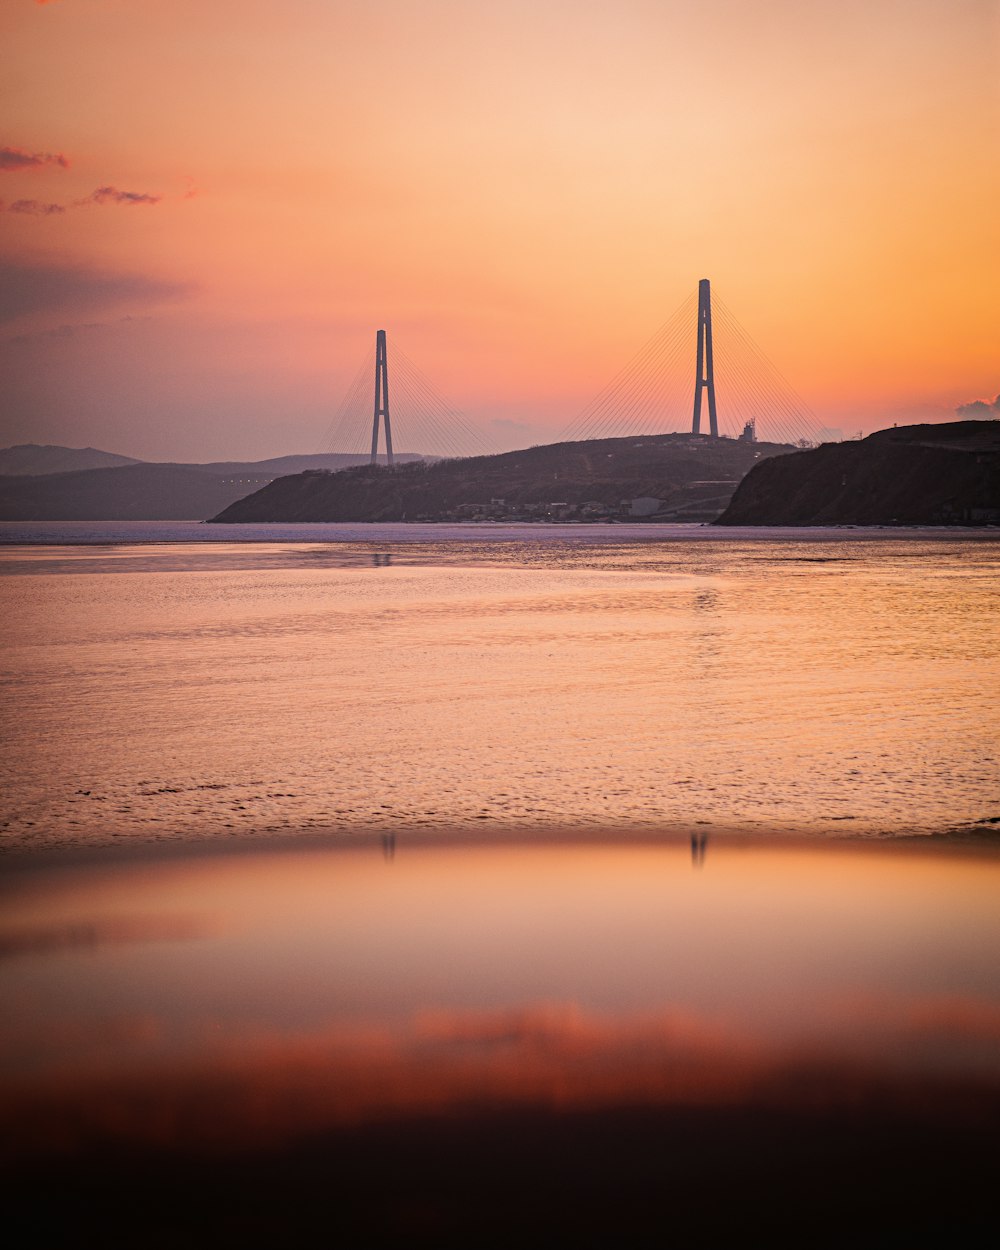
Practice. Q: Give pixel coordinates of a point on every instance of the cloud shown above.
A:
(980, 410)
(36, 208)
(13, 159)
(69, 330)
(71, 290)
(111, 195)
(103, 195)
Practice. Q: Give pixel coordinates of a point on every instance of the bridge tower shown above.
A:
(382, 400)
(706, 368)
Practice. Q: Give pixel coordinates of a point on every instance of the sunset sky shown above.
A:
(210, 206)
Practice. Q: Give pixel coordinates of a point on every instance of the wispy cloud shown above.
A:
(70, 330)
(15, 160)
(73, 290)
(35, 208)
(103, 195)
(111, 195)
(12, 159)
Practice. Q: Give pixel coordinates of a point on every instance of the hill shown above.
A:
(280, 466)
(134, 492)
(669, 476)
(913, 475)
(34, 458)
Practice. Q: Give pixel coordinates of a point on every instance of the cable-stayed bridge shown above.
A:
(410, 408)
(700, 373)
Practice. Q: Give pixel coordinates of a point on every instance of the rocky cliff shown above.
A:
(913, 475)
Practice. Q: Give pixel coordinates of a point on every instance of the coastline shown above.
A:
(980, 836)
(15, 534)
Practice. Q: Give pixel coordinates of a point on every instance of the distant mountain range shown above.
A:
(31, 459)
(48, 483)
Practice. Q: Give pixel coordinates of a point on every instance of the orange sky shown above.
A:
(519, 192)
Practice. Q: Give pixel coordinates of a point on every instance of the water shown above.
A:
(449, 1041)
(589, 972)
(347, 678)
(446, 886)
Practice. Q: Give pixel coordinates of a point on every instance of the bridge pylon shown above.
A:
(705, 377)
(381, 399)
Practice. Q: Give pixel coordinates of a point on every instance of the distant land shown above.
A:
(133, 492)
(93, 485)
(665, 476)
(912, 475)
(35, 459)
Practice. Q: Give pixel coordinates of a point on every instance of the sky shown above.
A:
(209, 208)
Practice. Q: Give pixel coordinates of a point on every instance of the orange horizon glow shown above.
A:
(209, 209)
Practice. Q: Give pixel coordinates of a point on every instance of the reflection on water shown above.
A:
(576, 678)
(488, 1012)
(699, 845)
(553, 973)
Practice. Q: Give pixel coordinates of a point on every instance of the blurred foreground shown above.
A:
(557, 1040)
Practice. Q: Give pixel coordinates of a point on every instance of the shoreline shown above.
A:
(129, 532)
(975, 837)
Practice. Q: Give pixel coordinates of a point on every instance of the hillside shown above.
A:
(31, 459)
(134, 492)
(280, 466)
(681, 476)
(913, 475)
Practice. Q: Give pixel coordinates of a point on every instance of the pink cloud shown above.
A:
(36, 208)
(103, 195)
(111, 195)
(13, 159)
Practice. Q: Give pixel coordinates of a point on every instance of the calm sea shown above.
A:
(539, 972)
(176, 680)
